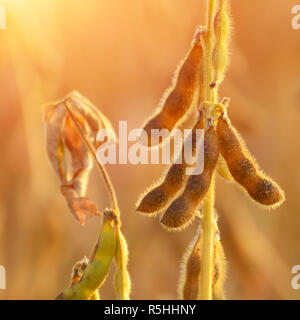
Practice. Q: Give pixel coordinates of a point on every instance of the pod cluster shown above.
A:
(176, 193)
(179, 197)
(180, 211)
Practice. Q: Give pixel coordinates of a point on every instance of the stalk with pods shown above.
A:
(183, 198)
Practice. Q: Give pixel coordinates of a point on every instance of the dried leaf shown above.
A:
(82, 161)
(54, 118)
(69, 155)
(96, 120)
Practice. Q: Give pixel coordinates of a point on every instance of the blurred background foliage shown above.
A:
(121, 55)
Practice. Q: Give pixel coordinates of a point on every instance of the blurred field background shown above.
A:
(122, 55)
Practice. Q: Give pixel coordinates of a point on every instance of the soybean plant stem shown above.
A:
(208, 210)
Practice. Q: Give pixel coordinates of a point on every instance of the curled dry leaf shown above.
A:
(67, 151)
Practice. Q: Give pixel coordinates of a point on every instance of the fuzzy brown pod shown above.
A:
(244, 168)
(182, 210)
(191, 269)
(183, 93)
(67, 151)
(160, 195)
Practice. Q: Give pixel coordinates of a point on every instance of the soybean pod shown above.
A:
(243, 167)
(182, 210)
(182, 94)
(159, 196)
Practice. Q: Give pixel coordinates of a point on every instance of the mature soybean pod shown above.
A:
(183, 92)
(244, 169)
(181, 210)
(158, 197)
(191, 269)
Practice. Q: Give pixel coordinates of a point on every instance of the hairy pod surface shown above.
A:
(122, 284)
(191, 268)
(183, 93)
(157, 199)
(122, 278)
(182, 210)
(244, 169)
(219, 271)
